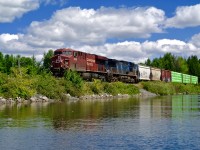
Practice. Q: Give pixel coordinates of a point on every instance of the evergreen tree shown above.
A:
(193, 65)
(181, 65)
(2, 67)
(47, 60)
(156, 63)
(169, 62)
(148, 62)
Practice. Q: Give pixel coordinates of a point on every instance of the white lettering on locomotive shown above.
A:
(89, 64)
(91, 60)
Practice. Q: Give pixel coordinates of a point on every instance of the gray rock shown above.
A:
(146, 93)
(3, 100)
(19, 100)
(44, 98)
(10, 101)
(26, 101)
(68, 95)
(33, 99)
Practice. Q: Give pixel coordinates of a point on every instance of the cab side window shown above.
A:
(75, 54)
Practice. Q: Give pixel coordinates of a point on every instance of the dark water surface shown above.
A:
(152, 123)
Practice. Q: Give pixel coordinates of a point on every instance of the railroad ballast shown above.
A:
(94, 66)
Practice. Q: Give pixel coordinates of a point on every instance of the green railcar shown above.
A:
(176, 77)
(186, 78)
(194, 79)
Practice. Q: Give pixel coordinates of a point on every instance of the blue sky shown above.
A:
(132, 30)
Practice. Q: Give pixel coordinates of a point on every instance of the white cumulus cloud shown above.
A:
(11, 9)
(74, 25)
(186, 16)
(8, 37)
(140, 51)
(196, 40)
(160, 47)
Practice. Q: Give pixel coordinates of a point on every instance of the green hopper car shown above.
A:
(176, 77)
(186, 78)
(194, 79)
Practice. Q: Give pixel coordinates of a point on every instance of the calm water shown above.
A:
(158, 123)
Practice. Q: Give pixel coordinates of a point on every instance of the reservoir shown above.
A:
(167, 122)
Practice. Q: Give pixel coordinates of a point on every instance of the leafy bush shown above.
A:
(87, 88)
(115, 88)
(74, 78)
(186, 88)
(73, 83)
(3, 79)
(18, 84)
(163, 88)
(159, 87)
(50, 86)
(97, 86)
(18, 87)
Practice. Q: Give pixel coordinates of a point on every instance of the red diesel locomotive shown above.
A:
(92, 66)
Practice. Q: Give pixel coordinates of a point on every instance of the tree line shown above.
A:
(33, 67)
(190, 65)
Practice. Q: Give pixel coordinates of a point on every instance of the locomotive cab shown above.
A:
(60, 61)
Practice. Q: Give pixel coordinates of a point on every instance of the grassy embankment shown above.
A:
(21, 84)
(163, 88)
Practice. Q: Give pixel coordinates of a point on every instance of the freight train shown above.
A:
(92, 66)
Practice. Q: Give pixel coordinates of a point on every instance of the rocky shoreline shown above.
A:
(36, 98)
(41, 99)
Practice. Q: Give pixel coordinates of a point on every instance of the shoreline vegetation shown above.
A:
(23, 79)
(21, 87)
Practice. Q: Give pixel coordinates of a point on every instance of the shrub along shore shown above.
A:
(163, 88)
(20, 86)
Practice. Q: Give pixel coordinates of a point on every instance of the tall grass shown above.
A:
(163, 88)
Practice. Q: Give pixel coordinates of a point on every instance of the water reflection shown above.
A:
(90, 114)
(182, 106)
(170, 122)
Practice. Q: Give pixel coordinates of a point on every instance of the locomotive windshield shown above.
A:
(63, 52)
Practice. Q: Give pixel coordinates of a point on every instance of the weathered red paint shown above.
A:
(166, 75)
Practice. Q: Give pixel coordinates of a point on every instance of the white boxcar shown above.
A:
(144, 72)
(155, 73)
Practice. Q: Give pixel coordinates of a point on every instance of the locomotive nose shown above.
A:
(58, 60)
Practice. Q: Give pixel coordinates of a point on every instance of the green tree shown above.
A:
(193, 65)
(47, 60)
(156, 63)
(169, 61)
(181, 65)
(148, 62)
(2, 67)
(9, 61)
